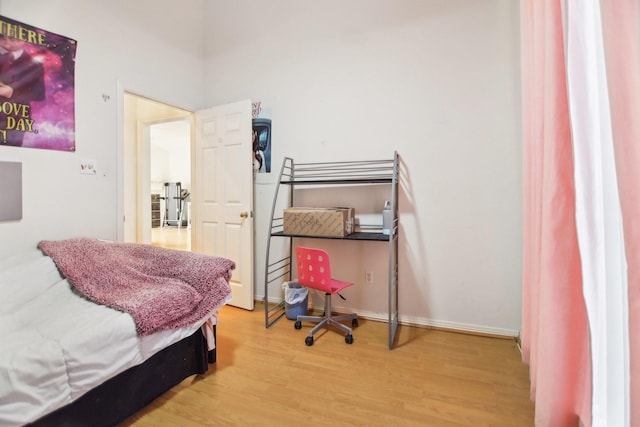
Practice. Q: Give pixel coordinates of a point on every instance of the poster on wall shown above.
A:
(261, 119)
(37, 93)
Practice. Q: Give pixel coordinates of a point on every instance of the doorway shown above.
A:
(157, 140)
(170, 164)
(222, 220)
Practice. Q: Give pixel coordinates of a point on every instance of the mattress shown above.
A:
(55, 344)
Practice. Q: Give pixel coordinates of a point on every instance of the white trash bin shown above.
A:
(296, 300)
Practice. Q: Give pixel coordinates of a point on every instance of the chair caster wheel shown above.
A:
(348, 339)
(308, 341)
(298, 324)
(354, 323)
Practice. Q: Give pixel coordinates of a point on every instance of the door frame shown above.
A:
(121, 181)
(128, 176)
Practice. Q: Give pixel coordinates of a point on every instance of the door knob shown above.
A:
(244, 214)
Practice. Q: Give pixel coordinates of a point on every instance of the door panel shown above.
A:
(208, 174)
(223, 205)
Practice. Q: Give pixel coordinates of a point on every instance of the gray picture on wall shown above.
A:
(11, 194)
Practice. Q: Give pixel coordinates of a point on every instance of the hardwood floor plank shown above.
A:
(270, 377)
(171, 238)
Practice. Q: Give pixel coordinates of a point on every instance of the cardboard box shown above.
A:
(318, 222)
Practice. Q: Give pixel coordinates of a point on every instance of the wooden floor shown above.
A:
(269, 377)
(171, 237)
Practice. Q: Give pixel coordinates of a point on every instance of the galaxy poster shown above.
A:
(37, 92)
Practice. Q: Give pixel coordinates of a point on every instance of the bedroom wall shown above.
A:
(437, 80)
(148, 47)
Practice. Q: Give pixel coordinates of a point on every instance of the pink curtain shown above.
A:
(555, 331)
(555, 336)
(622, 49)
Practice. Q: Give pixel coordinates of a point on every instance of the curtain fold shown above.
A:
(598, 215)
(555, 337)
(581, 265)
(622, 57)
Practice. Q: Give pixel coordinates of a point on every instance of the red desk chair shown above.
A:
(314, 271)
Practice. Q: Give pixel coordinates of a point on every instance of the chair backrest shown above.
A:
(314, 268)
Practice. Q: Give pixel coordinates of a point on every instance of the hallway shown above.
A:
(171, 237)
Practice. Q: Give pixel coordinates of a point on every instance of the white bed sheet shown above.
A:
(55, 345)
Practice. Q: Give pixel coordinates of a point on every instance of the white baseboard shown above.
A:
(423, 321)
(440, 324)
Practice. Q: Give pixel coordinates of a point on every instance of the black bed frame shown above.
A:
(127, 393)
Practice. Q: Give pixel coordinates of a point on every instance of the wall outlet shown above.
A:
(368, 277)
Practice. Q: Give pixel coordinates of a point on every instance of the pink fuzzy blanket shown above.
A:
(161, 288)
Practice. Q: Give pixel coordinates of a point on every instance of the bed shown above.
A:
(93, 331)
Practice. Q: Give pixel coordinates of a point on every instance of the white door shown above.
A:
(222, 200)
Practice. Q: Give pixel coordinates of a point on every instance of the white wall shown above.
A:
(436, 80)
(171, 154)
(151, 47)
